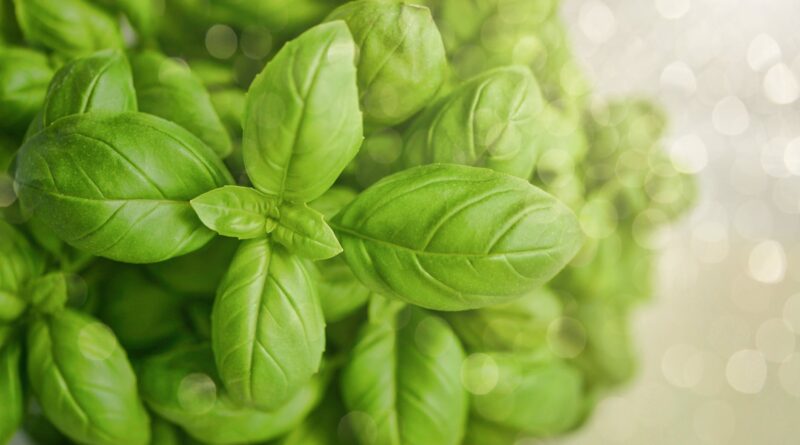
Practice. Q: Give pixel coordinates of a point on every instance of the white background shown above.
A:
(720, 357)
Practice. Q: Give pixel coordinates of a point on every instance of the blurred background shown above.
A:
(720, 362)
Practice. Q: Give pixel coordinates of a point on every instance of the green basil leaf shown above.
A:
(168, 89)
(468, 224)
(405, 379)
(84, 381)
(302, 124)
(304, 232)
(158, 312)
(237, 212)
(401, 60)
(182, 386)
(536, 392)
(519, 325)
(489, 121)
(267, 326)
(100, 82)
(21, 263)
(69, 27)
(24, 75)
(118, 185)
(48, 293)
(10, 391)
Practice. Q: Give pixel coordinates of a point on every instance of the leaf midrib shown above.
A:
(363, 237)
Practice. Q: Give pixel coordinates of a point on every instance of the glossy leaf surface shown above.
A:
(118, 185)
(302, 124)
(267, 326)
(84, 382)
(406, 379)
(468, 224)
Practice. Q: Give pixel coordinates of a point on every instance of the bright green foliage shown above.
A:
(468, 224)
(403, 375)
(118, 185)
(331, 223)
(302, 124)
(246, 213)
(401, 58)
(239, 212)
(84, 382)
(267, 326)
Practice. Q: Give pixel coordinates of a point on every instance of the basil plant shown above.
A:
(315, 222)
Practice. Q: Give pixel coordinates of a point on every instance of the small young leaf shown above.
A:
(303, 231)
(238, 212)
(302, 124)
